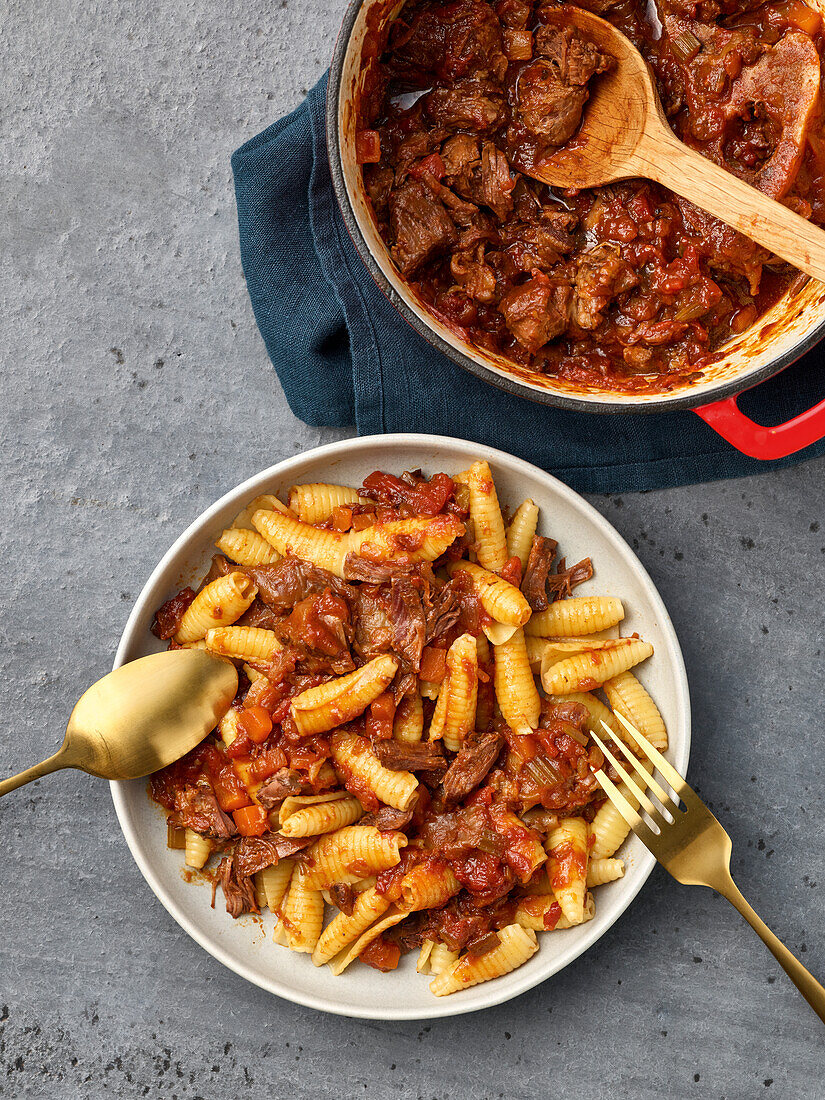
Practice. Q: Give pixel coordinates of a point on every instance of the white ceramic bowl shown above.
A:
(245, 946)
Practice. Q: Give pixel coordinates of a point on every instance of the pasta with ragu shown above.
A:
(408, 764)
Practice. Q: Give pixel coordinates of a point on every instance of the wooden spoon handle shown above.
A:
(665, 159)
(53, 764)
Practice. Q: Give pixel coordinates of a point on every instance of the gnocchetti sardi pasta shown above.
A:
(408, 764)
(246, 547)
(219, 603)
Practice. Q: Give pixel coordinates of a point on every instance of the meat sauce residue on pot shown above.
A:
(624, 287)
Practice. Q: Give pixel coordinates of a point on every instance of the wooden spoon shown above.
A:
(142, 716)
(624, 134)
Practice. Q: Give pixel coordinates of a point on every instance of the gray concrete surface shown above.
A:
(135, 390)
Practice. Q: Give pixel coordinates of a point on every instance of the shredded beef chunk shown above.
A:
(253, 853)
(343, 897)
(574, 713)
(460, 155)
(474, 42)
(452, 38)
(220, 567)
(560, 584)
(285, 584)
(282, 784)
(197, 808)
(539, 563)
(374, 629)
(549, 108)
(258, 614)
(411, 756)
(444, 611)
(477, 278)
(478, 752)
(287, 846)
(464, 214)
(467, 105)
(575, 59)
(539, 244)
(387, 819)
(379, 182)
(551, 91)
(377, 572)
(409, 624)
(495, 185)
(537, 311)
(421, 226)
(601, 275)
(168, 617)
(237, 888)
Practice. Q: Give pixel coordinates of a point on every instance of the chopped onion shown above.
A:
(691, 310)
(489, 842)
(686, 46)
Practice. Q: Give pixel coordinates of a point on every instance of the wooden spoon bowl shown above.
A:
(615, 123)
(624, 134)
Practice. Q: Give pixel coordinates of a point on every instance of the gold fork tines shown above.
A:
(689, 843)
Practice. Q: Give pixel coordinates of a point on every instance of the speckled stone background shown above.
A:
(136, 390)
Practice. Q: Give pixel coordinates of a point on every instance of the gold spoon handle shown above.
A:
(802, 978)
(53, 764)
(662, 157)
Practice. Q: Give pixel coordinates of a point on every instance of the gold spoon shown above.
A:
(624, 134)
(142, 716)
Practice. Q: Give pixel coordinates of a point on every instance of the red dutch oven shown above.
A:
(790, 328)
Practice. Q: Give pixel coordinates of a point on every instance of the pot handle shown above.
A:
(756, 441)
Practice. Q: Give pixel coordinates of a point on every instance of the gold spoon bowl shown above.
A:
(141, 717)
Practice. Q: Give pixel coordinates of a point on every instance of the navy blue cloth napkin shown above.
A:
(345, 356)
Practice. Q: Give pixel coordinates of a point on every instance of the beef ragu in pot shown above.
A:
(623, 287)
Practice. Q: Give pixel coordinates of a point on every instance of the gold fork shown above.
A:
(690, 843)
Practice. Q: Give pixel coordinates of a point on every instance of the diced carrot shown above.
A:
(251, 820)
(230, 790)
(804, 18)
(269, 762)
(380, 717)
(433, 667)
(431, 165)
(341, 518)
(365, 519)
(256, 723)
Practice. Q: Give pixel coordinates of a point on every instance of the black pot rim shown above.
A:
(512, 386)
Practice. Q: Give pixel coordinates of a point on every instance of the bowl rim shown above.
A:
(719, 391)
(492, 993)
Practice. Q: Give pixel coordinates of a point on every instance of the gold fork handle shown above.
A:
(802, 978)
